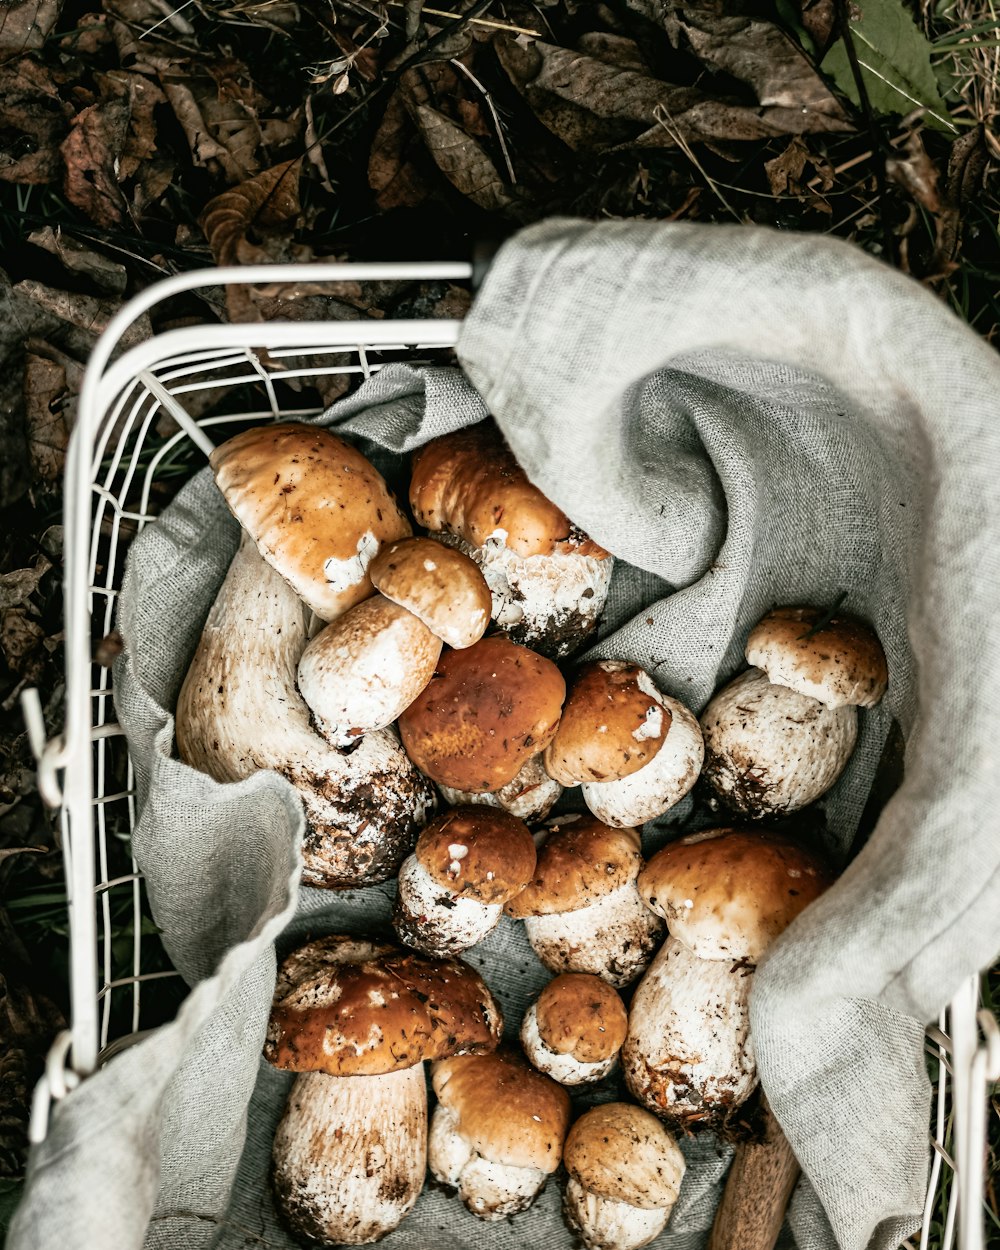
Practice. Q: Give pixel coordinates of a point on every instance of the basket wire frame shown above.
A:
(110, 483)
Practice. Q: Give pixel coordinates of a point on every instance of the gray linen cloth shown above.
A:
(744, 418)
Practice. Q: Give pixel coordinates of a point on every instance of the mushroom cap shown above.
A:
(468, 483)
(530, 796)
(509, 1112)
(487, 710)
(842, 663)
(314, 506)
(728, 893)
(621, 1152)
(438, 584)
(581, 1015)
(365, 667)
(578, 864)
(356, 1008)
(479, 852)
(613, 723)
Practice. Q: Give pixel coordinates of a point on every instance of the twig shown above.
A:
(825, 619)
(662, 116)
(493, 113)
(475, 21)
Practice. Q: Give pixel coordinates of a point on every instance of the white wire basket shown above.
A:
(115, 467)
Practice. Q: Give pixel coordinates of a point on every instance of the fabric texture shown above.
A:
(745, 418)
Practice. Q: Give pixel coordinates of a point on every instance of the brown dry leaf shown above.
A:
(107, 275)
(39, 308)
(17, 587)
(45, 395)
(917, 173)
(143, 97)
(92, 151)
(265, 204)
(34, 123)
(784, 172)
(20, 638)
(25, 25)
(463, 161)
(399, 171)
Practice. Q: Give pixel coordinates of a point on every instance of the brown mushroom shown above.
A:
(574, 1029)
(439, 585)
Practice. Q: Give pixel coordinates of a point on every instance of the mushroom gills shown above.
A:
(350, 1154)
(489, 1190)
(607, 1223)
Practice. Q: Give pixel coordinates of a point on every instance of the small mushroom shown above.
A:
(660, 784)
(467, 864)
(625, 1172)
(779, 736)
(239, 711)
(575, 1028)
(530, 796)
(488, 709)
(497, 1132)
(582, 911)
(439, 585)
(549, 581)
(356, 1019)
(317, 510)
(726, 894)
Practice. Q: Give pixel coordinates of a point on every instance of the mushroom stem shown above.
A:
(350, 1154)
(607, 1223)
(433, 919)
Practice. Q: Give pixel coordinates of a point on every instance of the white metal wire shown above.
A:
(109, 463)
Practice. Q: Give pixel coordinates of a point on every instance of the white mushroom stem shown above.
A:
(563, 1068)
(769, 749)
(530, 796)
(688, 1055)
(607, 1223)
(613, 938)
(433, 919)
(657, 786)
(350, 1153)
(490, 1190)
(239, 712)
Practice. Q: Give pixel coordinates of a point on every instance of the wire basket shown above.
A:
(115, 470)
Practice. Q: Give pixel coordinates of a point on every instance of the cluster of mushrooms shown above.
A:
(414, 701)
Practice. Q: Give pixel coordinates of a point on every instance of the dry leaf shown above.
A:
(41, 308)
(17, 587)
(20, 638)
(398, 169)
(34, 123)
(917, 173)
(463, 161)
(263, 205)
(107, 275)
(91, 151)
(25, 25)
(785, 171)
(44, 398)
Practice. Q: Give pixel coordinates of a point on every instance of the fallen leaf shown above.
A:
(398, 167)
(86, 313)
(34, 123)
(25, 25)
(785, 171)
(45, 398)
(267, 203)
(91, 152)
(895, 60)
(20, 638)
(917, 173)
(463, 161)
(107, 275)
(17, 587)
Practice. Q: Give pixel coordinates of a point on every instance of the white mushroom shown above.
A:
(239, 711)
(625, 1172)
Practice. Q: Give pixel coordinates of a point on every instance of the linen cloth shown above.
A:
(745, 418)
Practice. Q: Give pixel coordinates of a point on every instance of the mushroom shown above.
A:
(488, 709)
(317, 510)
(636, 751)
(356, 1019)
(778, 736)
(239, 711)
(582, 911)
(466, 865)
(726, 894)
(574, 1029)
(497, 1132)
(625, 1172)
(439, 585)
(549, 581)
(530, 796)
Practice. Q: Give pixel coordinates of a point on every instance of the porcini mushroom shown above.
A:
(441, 586)
(317, 510)
(778, 736)
(488, 709)
(497, 1132)
(726, 894)
(582, 911)
(548, 580)
(574, 1029)
(356, 1020)
(625, 1172)
(239, 711)
(530, 796)
(467, 863)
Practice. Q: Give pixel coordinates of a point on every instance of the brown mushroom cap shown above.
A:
(315, 507)
(353, 1008)
(621, 1152)
(728, 893)
(577, 864)
(613, 723)
(581, 1015)
(842, 663)
(508, 1111)
(486, 711)
(468, 483)
(438, 584)
(480, 852)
